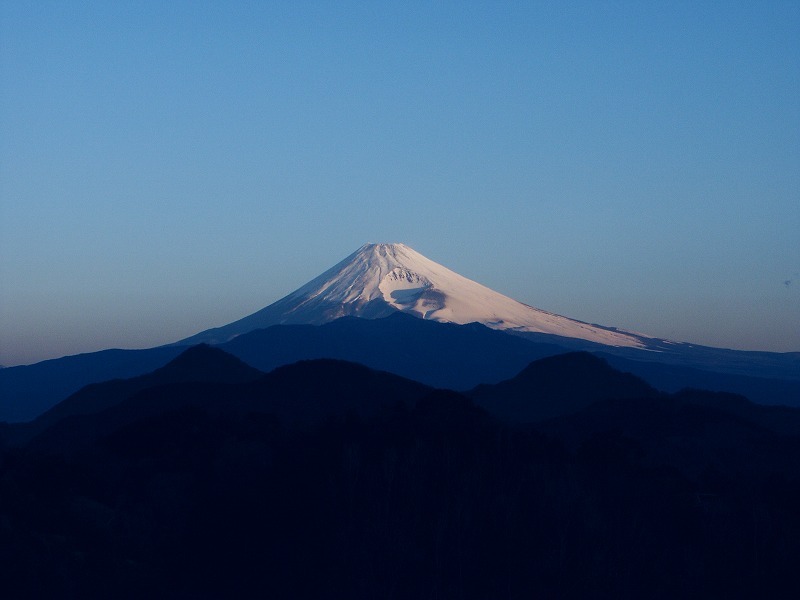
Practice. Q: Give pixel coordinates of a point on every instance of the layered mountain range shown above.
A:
(392, 429)
(207, 478)
(389, 307)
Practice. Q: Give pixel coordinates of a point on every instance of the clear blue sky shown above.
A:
(166, 167)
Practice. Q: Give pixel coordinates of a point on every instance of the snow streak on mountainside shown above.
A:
(379, 279)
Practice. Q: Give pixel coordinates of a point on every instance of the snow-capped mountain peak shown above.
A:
(379, 279)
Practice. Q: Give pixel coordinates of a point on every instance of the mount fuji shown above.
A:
(380, 279)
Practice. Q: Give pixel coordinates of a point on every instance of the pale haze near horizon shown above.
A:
(169, 168)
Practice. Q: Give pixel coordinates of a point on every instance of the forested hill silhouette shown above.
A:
(329, 479)
(302, 394)
(557, 386)
(200, 363)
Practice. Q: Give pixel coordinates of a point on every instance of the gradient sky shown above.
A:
(166, 167)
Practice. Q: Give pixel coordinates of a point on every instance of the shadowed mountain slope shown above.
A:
(437, 354)
(200, 363)
(556, 386)
(27, 391)
(670, 377)
(301, 394)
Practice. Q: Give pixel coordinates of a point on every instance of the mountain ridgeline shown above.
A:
(392, 309)
(443, 355)
(325, 478)
(392, 429)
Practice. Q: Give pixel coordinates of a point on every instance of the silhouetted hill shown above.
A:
(200, 363)
(27, 391)
(205, 363)
(301, 394)
(309, 390)
(556, 386)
